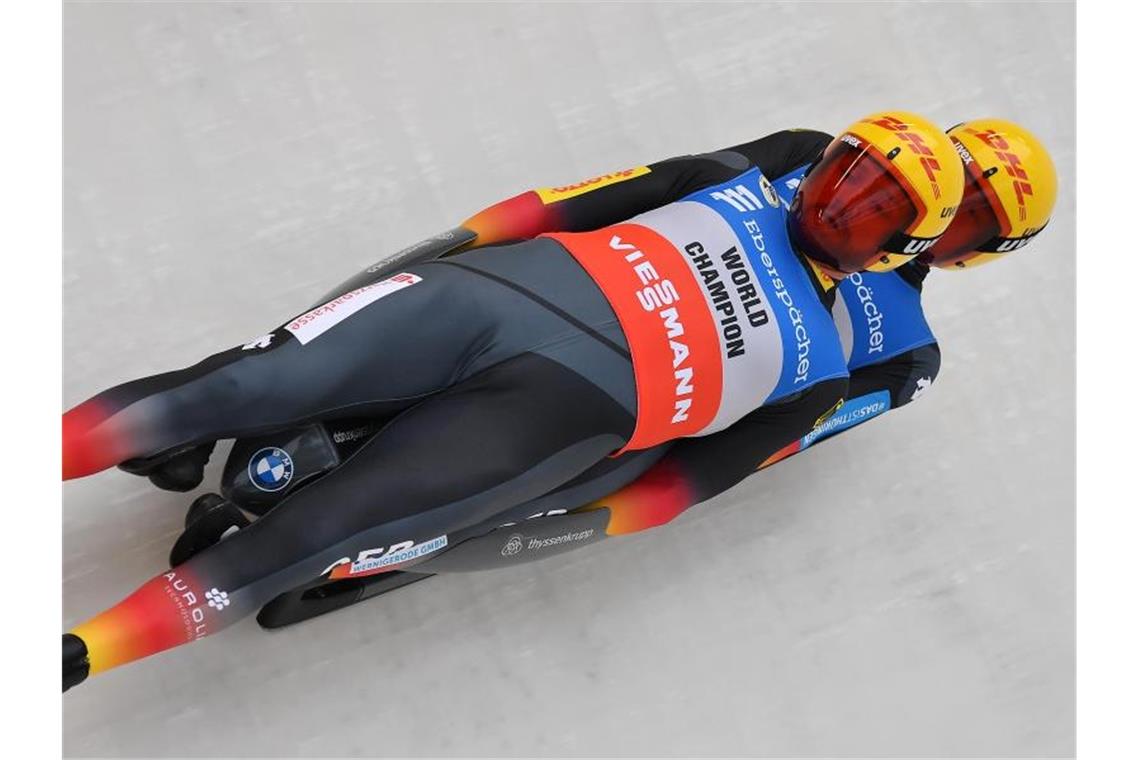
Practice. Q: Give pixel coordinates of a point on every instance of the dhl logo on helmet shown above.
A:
(1016, 176)
(922, 160)
(1003, 151)
(916, 144)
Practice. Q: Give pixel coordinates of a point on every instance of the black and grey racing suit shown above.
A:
(501, 374)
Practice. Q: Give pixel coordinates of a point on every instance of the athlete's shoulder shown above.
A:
(774, 155)
(781, 152)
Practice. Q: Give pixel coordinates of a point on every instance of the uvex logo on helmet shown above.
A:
(917, 145)
(1003, 151)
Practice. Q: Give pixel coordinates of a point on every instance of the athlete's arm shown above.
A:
(873, 390)
(697, 469)
(903, 378)
(892, 353)
(615, 197)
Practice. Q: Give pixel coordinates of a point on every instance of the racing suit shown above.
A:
(501, 374)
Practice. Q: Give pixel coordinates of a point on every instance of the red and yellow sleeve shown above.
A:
(589, 204)
(161, 614)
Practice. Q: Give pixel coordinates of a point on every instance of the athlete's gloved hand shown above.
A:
(180, 470)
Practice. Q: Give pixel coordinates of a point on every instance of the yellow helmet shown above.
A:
(884, 191)
(1011, 186)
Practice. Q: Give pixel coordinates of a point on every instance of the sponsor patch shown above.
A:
(566, 538)
(316, 322)
(852, 412)
(371, 561)
(823, 278)
(672, 337)
(826, 415)
(270, 469)
(550, 195)
(513, 545)
(769, 192)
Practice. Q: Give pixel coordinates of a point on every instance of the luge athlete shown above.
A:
(507, 371)
(891, 351)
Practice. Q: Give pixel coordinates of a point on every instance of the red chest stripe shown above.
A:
(672, 337)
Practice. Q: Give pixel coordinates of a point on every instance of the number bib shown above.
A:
(720, 314)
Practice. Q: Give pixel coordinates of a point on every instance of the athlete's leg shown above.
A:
(374, 351)
(506, 436)
(643, 489)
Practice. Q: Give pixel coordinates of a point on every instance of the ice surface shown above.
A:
(905, 590)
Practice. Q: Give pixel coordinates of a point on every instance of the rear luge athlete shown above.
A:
(674, 300)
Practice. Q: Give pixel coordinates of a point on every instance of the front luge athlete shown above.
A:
(891, 352)
(679, 300)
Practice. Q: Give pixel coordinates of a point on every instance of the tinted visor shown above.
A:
(973, 227)
(847, 209)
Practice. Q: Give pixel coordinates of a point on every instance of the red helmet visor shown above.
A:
(974, 226)
(848, 207)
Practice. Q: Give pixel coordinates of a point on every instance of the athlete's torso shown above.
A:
(721, 315)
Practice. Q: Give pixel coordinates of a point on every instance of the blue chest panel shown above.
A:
(878, 314)
(812, 350)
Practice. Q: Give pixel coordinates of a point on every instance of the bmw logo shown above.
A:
(270, 469)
